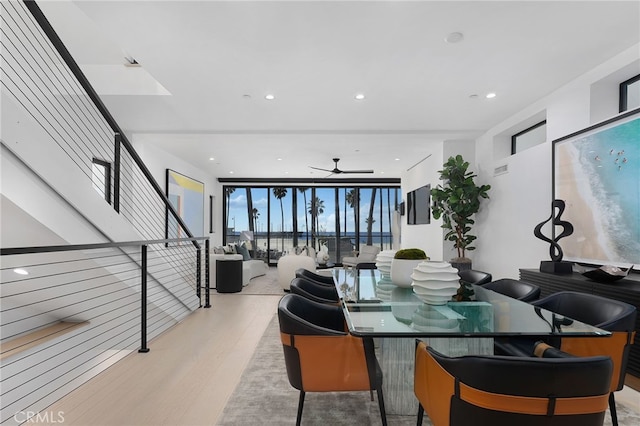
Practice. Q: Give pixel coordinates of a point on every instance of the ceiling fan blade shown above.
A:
(357, 171)
(318, 168)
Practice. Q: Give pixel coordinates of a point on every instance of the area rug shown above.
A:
(264, 285)
(264, 396)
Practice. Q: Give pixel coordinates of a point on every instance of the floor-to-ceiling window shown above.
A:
(280, 221)
(281, 218)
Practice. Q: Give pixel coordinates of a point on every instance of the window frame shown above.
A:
(523, 132)
(107, 177)
(624, 93)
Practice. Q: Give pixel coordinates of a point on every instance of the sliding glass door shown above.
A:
(281, 218)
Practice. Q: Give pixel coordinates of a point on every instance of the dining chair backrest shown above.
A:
(521, 290)
(504, 390)
(305, 273)
(472, 276)
(312, 290)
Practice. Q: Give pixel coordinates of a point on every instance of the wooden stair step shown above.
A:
(37, 337)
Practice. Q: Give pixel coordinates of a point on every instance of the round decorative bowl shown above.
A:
(607, 274)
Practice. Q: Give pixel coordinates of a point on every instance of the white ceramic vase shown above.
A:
(401, 270)
(435, 282)
(383, 263)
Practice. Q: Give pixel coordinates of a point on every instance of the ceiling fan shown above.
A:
(337, 171)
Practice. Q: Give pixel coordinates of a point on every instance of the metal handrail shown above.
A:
(143, 244)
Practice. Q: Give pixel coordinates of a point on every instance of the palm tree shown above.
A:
(316, 208)
(352, 199)
(303, 190)
(229, 191)
(369, 221)
(280, 193)
(250, 209)
(370, 218)
(255, 214)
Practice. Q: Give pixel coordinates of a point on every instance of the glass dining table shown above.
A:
(395, 317)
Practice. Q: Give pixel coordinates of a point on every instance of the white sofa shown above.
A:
(250, 268)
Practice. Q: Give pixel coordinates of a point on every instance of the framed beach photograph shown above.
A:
(596, 171)
(186, 195)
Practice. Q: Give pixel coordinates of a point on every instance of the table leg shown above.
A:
(397, 359)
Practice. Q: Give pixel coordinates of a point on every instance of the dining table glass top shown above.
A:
(375, 307)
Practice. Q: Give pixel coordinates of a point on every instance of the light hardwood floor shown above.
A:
(191, 371)
(186, 378)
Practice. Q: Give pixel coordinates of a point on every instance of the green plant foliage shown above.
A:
(456, 200)
(410, 253)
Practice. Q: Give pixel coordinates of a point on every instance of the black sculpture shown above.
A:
(556, 265)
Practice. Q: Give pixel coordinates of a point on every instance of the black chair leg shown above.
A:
(420, 414)
(612, 409)
(300, 405)
(383, 412)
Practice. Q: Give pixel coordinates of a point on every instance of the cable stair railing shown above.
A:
(92, 304)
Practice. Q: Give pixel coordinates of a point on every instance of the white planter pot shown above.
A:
(435, 282)
(401, 270)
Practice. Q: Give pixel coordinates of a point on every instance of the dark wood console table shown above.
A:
(626, 290)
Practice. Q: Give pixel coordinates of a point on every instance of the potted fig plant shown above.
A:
(403, 263)
(456, 200)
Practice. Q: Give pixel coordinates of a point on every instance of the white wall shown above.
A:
(158, 161)
(521, 198)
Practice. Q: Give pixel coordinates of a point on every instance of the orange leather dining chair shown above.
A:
(321, 356)
(510, 391)
(612, 315)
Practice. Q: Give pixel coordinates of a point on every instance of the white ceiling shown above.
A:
(207, 65)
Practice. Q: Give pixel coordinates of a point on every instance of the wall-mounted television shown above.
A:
(418, 206)
(596, 171)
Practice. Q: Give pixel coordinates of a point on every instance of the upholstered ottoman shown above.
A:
(287, 266)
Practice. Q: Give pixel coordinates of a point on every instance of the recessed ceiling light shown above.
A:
(279, 159)
(231, 172)
(454, 37)
(490, 95)
(20, 271)
(269, 97)
(211, 158)
(359, 96)
(397, 159)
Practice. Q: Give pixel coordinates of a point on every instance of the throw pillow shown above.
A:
(242, 249)
(218, 250)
